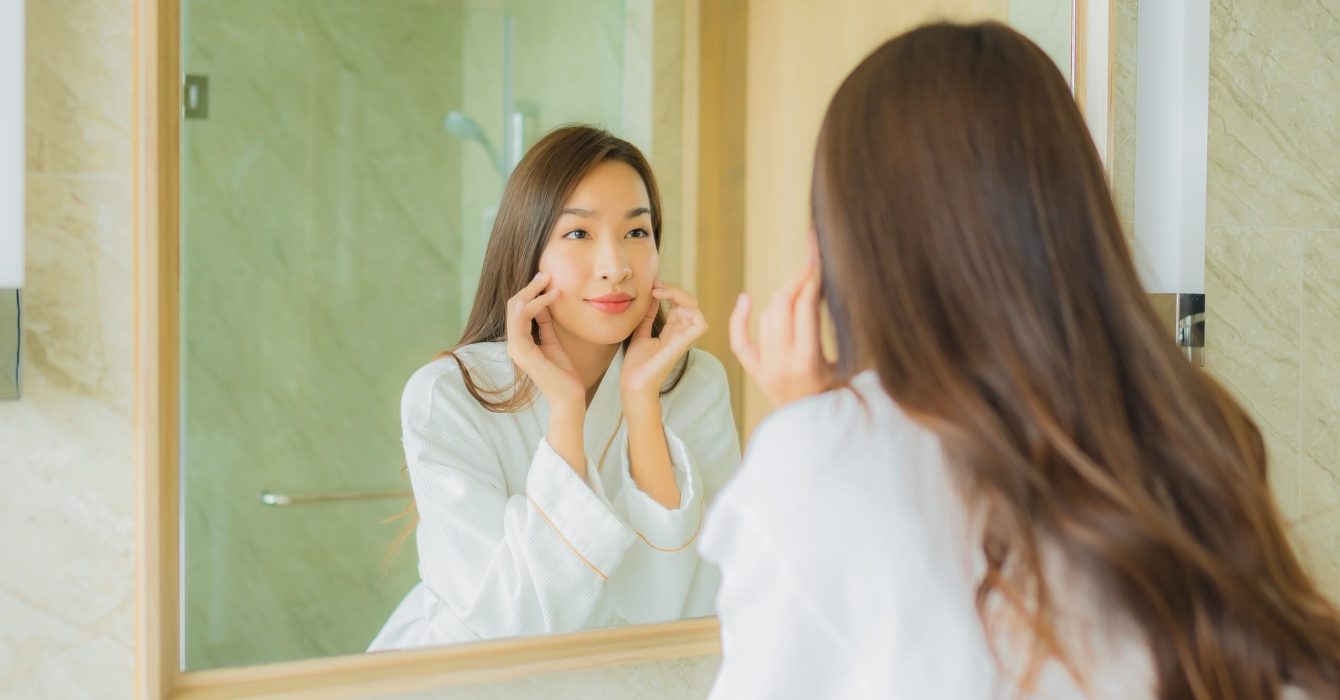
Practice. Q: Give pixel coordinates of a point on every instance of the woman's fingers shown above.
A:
(774, 326)
(534, 306)
(806, 314)
(522, 308)
(791, 291)
(643, 329)
(687, 326)
(536, 285)
(740, 342)
(674, 295)
(787, 362)
(544, 320)
(517, 304)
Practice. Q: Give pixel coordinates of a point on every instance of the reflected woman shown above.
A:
(563, 452)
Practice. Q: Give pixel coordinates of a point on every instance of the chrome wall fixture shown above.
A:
(280, 500)
(11, 343)
(1184, 317)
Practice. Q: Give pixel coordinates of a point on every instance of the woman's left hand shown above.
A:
(648, 361)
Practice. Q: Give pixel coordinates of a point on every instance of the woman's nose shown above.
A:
(615, 274)
(613, 265)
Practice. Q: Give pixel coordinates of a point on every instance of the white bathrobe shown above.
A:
(513, 542)
(849, 571)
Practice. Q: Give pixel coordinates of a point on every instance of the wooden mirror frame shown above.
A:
(716, 33)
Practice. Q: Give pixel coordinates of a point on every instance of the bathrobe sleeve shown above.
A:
(502, 565)
(778, 639)
(662, 568)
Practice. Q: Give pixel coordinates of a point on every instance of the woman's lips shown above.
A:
(611, 303)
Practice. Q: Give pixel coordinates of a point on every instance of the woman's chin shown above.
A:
(609, 332)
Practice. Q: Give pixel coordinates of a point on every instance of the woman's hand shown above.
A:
(648, 361)
(788, 363)
(547, 365)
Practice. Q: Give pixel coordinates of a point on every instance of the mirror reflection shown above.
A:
(439, 376)
(563, 452)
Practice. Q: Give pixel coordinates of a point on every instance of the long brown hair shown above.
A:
(972, 256)
(531, 203)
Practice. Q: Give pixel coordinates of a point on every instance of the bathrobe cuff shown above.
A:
(580, 518)
(664, 529)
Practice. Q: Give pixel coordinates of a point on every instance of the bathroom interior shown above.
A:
(333, 173)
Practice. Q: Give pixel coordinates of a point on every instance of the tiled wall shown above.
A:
(1273, 248)
(1272, 252)
(66, 583)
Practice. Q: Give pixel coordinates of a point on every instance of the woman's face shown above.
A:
(602, 256)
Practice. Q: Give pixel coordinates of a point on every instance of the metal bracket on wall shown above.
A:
(1184, 316)
(11, 342)
(195, 97)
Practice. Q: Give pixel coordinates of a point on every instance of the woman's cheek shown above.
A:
(649, 267)
(561, 272)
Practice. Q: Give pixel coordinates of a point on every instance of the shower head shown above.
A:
(466, 129)
(463, 127)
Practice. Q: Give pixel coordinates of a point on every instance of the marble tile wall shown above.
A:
(1122, 167)
(66, 583)
(1272, 240)
(1273, 248)
(66, 588)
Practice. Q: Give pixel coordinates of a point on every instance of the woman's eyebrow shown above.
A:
(632, 213)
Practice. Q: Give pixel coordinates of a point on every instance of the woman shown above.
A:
(1021, 488)
(563, 452)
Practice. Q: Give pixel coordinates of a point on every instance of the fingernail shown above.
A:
(541, 275)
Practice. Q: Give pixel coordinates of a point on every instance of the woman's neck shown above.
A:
(591, 360)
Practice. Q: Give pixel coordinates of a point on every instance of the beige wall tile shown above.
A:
(1123, 113)
(79, 86)
(1319, 531)
(1252, 345)
(77, 303)
(66, 584)
(1274, 116)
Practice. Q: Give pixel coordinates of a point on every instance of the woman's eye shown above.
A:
(638, 233)
(576, 235)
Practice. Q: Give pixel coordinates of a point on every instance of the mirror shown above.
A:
(342, 165)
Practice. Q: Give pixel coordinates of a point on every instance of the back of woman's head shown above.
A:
(972, 256)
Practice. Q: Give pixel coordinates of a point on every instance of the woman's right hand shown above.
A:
(788, 362)
(547, 365)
